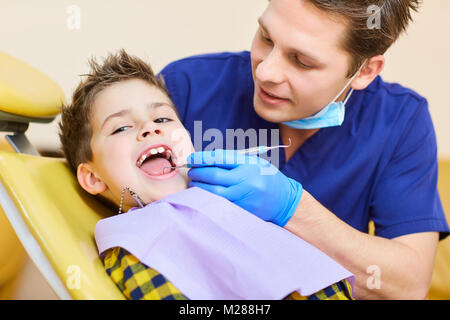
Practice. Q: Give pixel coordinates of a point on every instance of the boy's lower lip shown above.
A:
(268, 99)
(166, 176)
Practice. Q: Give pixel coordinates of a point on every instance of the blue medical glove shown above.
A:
(250, 182)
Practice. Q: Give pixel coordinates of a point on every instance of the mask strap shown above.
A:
(348, 83)
(348, 96)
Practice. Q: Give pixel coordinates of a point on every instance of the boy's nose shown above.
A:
(146, 132)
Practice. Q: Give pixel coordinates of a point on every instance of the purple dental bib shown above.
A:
(210, 248)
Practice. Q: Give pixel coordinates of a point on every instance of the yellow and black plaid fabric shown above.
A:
(139, 282)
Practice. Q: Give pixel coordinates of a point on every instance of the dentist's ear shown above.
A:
(89, 180)
(369, 72)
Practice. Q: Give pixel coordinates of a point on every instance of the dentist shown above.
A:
(362, 149)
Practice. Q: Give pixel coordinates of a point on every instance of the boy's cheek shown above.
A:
(181, 145)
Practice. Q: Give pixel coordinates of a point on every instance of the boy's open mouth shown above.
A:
(154, 159)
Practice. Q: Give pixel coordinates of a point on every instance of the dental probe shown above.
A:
(261, 149)
(249, 151)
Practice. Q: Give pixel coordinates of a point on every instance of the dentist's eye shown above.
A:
(299, 63)
(121, 129)
(302, 65)
(163, 120)
(266, 39)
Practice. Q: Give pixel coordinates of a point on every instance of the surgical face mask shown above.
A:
(330, 116)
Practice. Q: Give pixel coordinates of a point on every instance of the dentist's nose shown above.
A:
(270, 70)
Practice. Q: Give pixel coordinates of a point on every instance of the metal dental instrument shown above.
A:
(261, 149)
(249, 151)
(134, 195)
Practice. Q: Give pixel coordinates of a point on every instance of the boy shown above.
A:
(121, 131)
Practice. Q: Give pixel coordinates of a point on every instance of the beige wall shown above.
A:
(420, 60)
(163, 30)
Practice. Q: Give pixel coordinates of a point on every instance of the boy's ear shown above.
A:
(88, 179)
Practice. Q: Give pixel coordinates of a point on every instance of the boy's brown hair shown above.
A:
(75, 130)
(364, 40)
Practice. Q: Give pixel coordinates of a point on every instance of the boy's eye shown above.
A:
(158, 120)
(120, 129)
(163, 120)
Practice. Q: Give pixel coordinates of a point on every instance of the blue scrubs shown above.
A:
(380, 165)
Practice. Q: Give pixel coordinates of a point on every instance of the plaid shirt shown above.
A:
(139, 282)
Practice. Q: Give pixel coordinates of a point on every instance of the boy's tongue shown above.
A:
(155, 167)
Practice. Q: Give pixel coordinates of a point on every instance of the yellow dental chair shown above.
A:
(51, 215)
(55, 219)
(440, 282)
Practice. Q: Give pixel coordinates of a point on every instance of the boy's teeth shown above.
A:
(141, 160)
(153, 152)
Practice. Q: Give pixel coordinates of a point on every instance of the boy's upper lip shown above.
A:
(146, 151)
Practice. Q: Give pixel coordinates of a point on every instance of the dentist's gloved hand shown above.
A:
(250, 182)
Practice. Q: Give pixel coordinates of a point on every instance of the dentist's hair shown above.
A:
(75, 129)
(372, 25)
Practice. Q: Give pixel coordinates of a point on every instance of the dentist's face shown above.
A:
(136, 134)
(297, 62)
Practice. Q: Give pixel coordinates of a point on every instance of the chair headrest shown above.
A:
(26, 94)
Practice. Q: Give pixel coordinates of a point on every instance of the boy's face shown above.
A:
(130, 120)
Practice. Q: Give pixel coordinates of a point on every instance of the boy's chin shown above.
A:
(172, 188)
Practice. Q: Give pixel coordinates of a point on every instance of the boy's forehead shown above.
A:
(125, 97)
